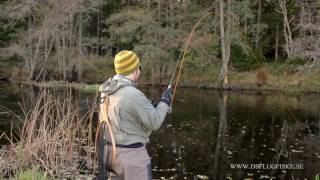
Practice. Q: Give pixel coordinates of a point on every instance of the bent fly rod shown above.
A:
(182, 56)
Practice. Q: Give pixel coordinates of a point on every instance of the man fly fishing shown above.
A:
(127, 119)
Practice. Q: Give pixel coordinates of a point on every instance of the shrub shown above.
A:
(242, 61)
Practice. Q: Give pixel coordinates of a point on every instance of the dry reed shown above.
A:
(54, 137)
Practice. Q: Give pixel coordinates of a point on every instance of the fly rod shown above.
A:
(183, 54)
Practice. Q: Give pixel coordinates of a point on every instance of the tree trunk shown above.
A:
(47, 51)
(245, 26)
(27, 64)
(80, 59)
(59, 58)
(30, 35)
(98, 32)
(223, 46)
(225, 43)
(228, 32)
(286, 29)
(159, 9)
(276, 51)
(148, 5)
(64, 59)
(259, 27)
(34, 60)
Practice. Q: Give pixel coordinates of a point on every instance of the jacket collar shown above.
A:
(121, 77)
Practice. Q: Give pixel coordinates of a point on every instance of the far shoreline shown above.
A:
(93, 87)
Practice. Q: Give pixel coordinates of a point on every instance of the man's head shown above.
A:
(127, 63)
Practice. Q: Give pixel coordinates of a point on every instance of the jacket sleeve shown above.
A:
(151, 117)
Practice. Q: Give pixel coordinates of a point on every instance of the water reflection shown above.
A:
(209, 130)
(222, 131)
(212, 130)
(9, 96)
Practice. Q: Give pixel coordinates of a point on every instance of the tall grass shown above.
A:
(54, 137)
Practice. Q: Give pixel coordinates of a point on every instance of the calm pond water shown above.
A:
(210, 132)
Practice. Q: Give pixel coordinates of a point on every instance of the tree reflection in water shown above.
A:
(209, 130)
(216, 129)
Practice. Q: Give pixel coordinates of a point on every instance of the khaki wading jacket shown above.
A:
(131, 114)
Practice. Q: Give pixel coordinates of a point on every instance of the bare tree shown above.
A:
(258, 34)
(53, 34)
(276, 52)
(306, 43)
(225, 41)
(286, 29)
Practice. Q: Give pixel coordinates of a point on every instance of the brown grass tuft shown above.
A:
(53, 137)
(261, 77)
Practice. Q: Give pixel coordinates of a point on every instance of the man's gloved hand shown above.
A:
(155, 103)
(167, 96)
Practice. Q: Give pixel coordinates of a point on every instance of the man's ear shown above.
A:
(137, 74)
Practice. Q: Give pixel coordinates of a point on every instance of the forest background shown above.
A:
(242, 44)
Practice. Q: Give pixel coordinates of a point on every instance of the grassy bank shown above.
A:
(279, 77)
(271, 77)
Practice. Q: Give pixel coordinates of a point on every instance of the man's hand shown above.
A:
(155, 103)
(167, 96)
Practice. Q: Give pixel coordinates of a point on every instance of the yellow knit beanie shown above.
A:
(126, 62)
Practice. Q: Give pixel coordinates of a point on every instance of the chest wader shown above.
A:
(104, 132)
